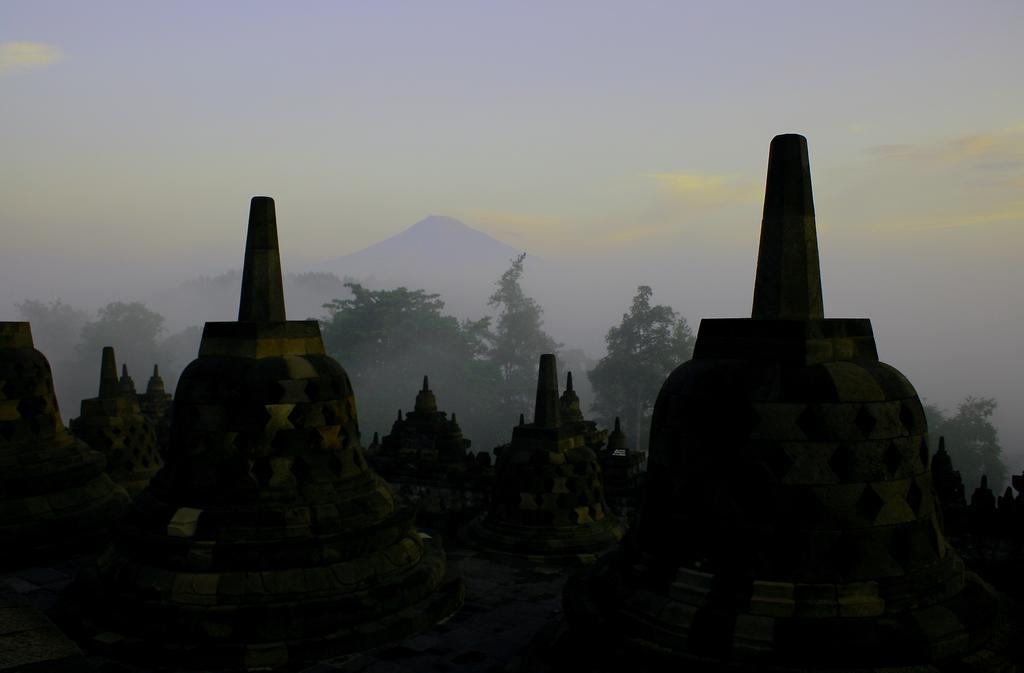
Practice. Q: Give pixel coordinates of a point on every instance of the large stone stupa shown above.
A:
(266, 540)
(55, 497)
(789, 520)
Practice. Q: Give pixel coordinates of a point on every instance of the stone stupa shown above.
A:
(548, 499)
(55, 496)
(113, 424)
(425, 435)
(789, 520)
(266, 540)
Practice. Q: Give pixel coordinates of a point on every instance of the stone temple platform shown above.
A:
(507, 602)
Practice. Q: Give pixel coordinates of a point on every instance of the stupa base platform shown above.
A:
(322, 628)
(553, 545)
(642, 630)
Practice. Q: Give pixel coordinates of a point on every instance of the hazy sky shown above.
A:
(631, 136)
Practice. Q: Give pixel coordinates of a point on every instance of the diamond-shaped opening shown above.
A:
(869, 504)
(777, 460)
(810, 424)
(865, 421)
(914, 497)
(899, 545)
(908, 418)
(808, 508)
(892, 458)
(842, 462)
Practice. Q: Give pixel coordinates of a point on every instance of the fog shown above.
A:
(948, 320)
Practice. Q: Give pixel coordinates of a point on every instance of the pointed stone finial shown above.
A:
(618, 428)
(155, 385)
(262, 291)
(124, 371)
(568, 382)
(942, 444)
(788, 281)
(108, 373)
(545, 410)
(522, 420)
(426, 383)
(399, 414)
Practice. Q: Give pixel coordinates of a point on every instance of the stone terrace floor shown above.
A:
(508, 600)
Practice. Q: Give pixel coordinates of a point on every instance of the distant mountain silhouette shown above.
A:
(438, 254)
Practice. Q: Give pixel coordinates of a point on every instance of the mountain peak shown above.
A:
(439, 224)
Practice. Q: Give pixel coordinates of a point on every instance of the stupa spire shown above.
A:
(426, 383)
(262, 291)
(545, 411)
(788, 281)
(568, 381)
(108, 373)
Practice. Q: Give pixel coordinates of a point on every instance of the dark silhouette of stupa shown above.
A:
(266, 540)
(55, 497)
(548, 497)
(113, 424)
(425, 435)
(789, 520)
(156, 406)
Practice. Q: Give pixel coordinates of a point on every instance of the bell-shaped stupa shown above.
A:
(266, 540)
(424, 436)
(113, 424)
(789, 520)
(54, 493)
(548, 497)
(156, 406)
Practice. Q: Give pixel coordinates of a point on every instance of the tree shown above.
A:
(55, 327)
(971, 440)
(519, 339)
(646, 346)
(388, 339)
(133, 331)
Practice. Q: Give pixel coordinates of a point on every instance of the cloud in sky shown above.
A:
(703, 190)
(1003, 147)
(16, 56)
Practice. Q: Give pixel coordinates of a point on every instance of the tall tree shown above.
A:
(971, 440)
(131, 328)
(519, 339)
(55, 327)
(388, 339)
(642, 350)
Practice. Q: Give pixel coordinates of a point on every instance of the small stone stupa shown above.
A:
(570, 413)
(789, 520)
(156, 406)
(548, 497)
(55, 496)
(266, 540)
(113, 424)
(425, 435)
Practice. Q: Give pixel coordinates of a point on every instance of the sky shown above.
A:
(629, 137)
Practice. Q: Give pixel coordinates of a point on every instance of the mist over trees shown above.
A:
(482, 369)
(73, 345)
(518, 340)
(643, 349)
(387, 340)
(971, 441)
